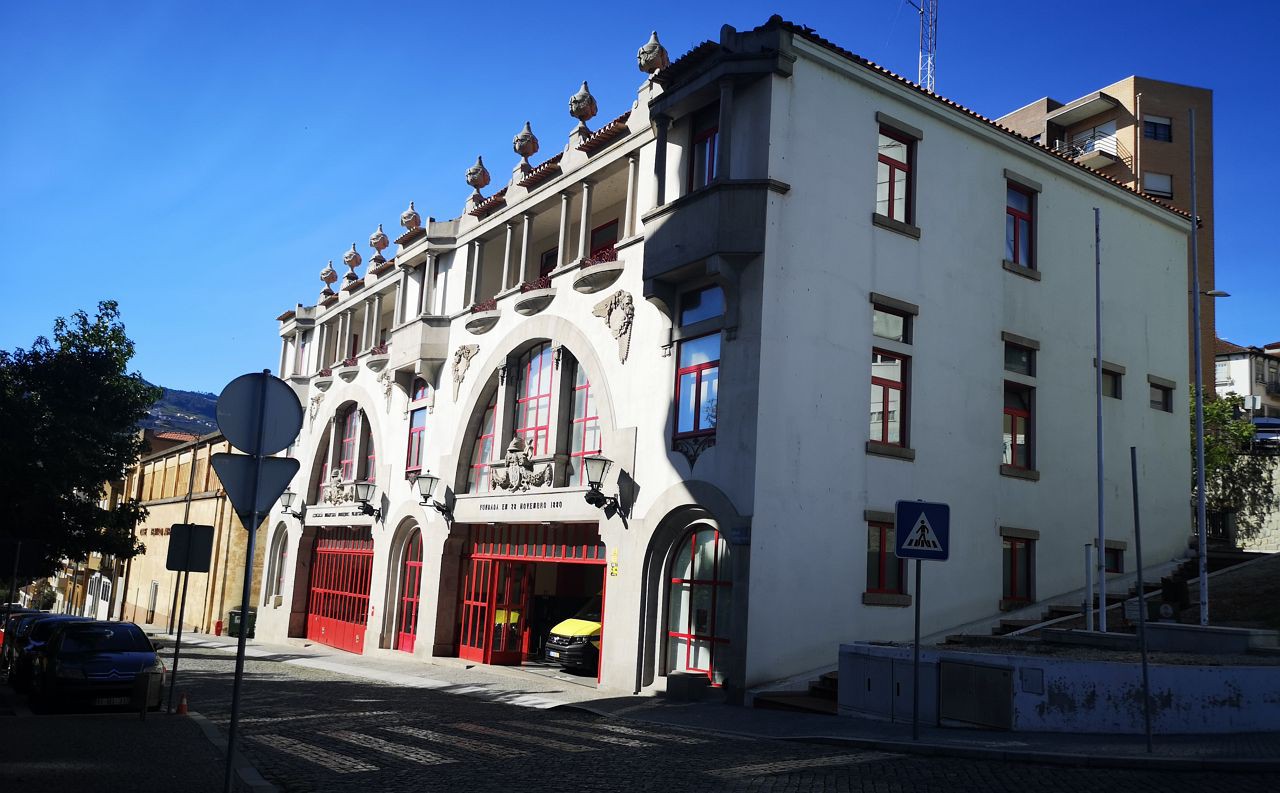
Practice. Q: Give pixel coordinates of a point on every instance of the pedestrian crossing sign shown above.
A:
(922, 530)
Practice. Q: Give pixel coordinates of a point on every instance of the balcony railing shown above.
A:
(485, 305)
(1095, 146)
(352, 361)
(544, 282)
(381, 349)
(605, 254)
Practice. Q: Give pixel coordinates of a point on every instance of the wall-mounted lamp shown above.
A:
(426, 483)
(596, 468)
(365, 492)
(286, 502)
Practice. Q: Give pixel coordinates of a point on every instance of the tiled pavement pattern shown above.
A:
(310, 729)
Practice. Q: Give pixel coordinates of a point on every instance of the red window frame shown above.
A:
(533, 399)
(581, 425)
(1021, 250)
(1018, 553)
(355, 345)
(885, 556)
(349, 451)
(1019, 418)
(893, 166)
(700, 372)
(417, 429)
(1113, 560)
(719, 589)
(704, 146)
(887, 386)
(478, 479)
(410, 593)
(547, 262)
(597, 244)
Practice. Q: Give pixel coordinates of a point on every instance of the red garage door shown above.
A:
(338, 604)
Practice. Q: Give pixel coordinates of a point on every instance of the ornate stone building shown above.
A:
(704, 290)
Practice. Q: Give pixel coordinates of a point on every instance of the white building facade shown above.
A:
(704, 291)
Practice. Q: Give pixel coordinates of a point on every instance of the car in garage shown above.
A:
(98, 663)
(575, 643)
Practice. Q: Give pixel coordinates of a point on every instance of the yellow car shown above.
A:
(575, 642)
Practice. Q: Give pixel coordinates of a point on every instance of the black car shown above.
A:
(16, 633)
(97, 662)
(26, 650)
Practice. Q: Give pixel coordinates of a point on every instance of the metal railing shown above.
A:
(1080, 145)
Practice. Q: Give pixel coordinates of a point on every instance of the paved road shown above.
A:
(311, 729)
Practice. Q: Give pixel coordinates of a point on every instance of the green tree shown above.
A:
(70, 413)
(1237, 479)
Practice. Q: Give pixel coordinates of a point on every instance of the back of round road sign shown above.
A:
(240, 403)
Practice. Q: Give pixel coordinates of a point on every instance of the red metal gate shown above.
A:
(338, 604)
(410, 591)
(475, 609)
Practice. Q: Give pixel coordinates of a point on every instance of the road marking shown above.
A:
(339, 763)
(786, 766)
(545, 743)
(632, 731)
(613, 739)
(458, 742)
(300, 717)
(410, 753)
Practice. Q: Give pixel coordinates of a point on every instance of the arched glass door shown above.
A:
(698, 602)
(410, 593)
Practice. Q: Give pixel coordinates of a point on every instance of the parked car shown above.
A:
(8, 618)
(575, 642)
(97, 662)
(16, 633)
(26, 650)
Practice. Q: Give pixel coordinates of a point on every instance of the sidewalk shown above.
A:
(545, 688)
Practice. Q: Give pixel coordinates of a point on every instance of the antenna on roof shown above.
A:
(926, 75)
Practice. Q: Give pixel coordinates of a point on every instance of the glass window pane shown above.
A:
(1008, 237)
(1019, 200)
(893, 148)
(882, 189)
(886, 367)
(700, 655)
(1007, 458)
(899, 196)
(888, 325)
(873, 558)
(710, 398)
(705, 555)
(877, 412)
(703, 349)
(701, 610)
(677, 650)
(702, 304)
(1019, 359)
(685, 403)
(1024, 242)
(1008, 569)
(893, 425)
(724, 603)
(1016, 399)
(683, 565)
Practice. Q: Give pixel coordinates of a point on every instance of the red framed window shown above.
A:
(888, 397)
(410, 594)
(1019, 560)
(348, 455)
(355, 345)
(584, 426)
(698, 369)
(1018, 225)
(603, 237)
(548, 261)
(894, 162)
(698, 607)
(482, 450)
(1018, 439)
(417, 428)
(885, 571)
(703, 147)
(533, 399)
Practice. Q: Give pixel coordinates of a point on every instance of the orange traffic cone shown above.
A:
(182, 705)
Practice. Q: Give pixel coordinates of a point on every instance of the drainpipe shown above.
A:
(1137, 140)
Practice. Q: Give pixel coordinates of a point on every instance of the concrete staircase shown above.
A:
(821, 697)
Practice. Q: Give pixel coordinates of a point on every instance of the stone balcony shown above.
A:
(420, 345)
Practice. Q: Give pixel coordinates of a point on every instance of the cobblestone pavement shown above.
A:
(309, 729)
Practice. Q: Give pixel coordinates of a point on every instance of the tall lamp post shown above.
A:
(1201, 537)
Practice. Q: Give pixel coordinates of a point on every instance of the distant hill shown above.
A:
(185, 411)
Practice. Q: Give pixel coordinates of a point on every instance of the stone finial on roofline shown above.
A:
(410, 219)
(328, 275)
(378, 241)
(652, 56)
(526, 145)
(351, 259)
(582, 106)
(477, 178)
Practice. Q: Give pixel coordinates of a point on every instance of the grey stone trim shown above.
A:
(898, 125)
(905, 229)
(1115, 544)
(889, 450)
(1017, 533)
(1108, 366)
(894, 303)
(1021, 341)
(1162, 382)
(878, 516)
(1023, 181)
(1020, 473)
(1017, 269)
(885, 599)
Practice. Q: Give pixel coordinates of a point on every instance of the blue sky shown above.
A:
(200, 162)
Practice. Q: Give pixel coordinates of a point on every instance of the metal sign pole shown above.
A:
(245, 593)
(915, 667)
(177, 647)
(1142, 596)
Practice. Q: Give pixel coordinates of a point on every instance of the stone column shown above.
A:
(562, 252)
(628, 213)
(661, 123)
(322, 336)
(284, 353)
(584, 232)
(426, 295)
(526, 242)
(724, 143)
(506, 257)
(376, 333)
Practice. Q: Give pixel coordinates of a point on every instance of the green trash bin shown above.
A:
(234, 621)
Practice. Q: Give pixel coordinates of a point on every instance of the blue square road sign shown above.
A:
(922, 530)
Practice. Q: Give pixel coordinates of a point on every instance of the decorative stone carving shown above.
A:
(461, 363)
(384, 380)
(582, 106)
(334, 491)
(410, 219)
(691, 448)
(314, 407)
(351, 259)
(652, 56)
(618, 311)
(478, 178)
(516, 472)
(526, 145)
(328, 275)
(379, 242)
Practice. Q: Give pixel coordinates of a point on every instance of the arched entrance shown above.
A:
(699, 603)
(338, 602)
(410, 593)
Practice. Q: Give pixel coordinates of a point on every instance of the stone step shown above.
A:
(795, 702)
